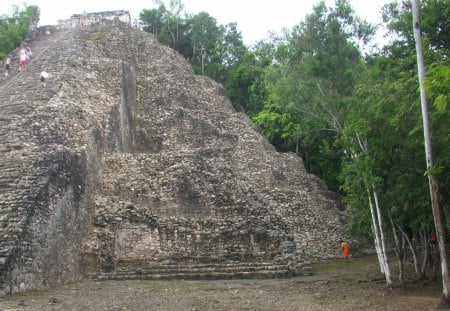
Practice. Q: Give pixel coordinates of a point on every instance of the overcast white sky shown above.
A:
(254, 18)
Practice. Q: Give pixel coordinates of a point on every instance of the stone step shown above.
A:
(198, 271)
(201, 267)
(196, 276)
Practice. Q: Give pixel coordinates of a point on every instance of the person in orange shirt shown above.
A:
(345, 250)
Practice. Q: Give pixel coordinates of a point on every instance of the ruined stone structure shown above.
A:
(125, 164)
(79, 20)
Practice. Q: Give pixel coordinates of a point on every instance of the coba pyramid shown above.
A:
(125, 164)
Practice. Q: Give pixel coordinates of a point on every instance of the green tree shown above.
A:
(227, 54)
(153, 20)
(205, 35)
(438, 89)
(435, 27)
(387, 120)
(14, 29)
(313, 74)
(166, 23)
(245, 84)
(212, 49)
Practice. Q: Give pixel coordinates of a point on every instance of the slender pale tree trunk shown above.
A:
(433, 184)
(387, 271)
(377, 223)
(376, 233)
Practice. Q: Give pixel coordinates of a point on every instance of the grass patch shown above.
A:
(360, 265)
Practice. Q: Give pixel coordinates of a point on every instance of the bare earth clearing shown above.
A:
(353, 285)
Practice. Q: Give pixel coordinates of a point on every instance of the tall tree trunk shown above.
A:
(399, 250)
(377, 223)
(387, 271)
(433, 184)
(375, 232)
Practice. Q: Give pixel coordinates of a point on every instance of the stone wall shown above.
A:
(80, 20)
(53, 137)
(125, 159)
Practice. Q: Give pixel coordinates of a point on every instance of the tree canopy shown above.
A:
(14, 28)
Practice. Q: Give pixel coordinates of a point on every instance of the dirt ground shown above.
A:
(352, 285)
